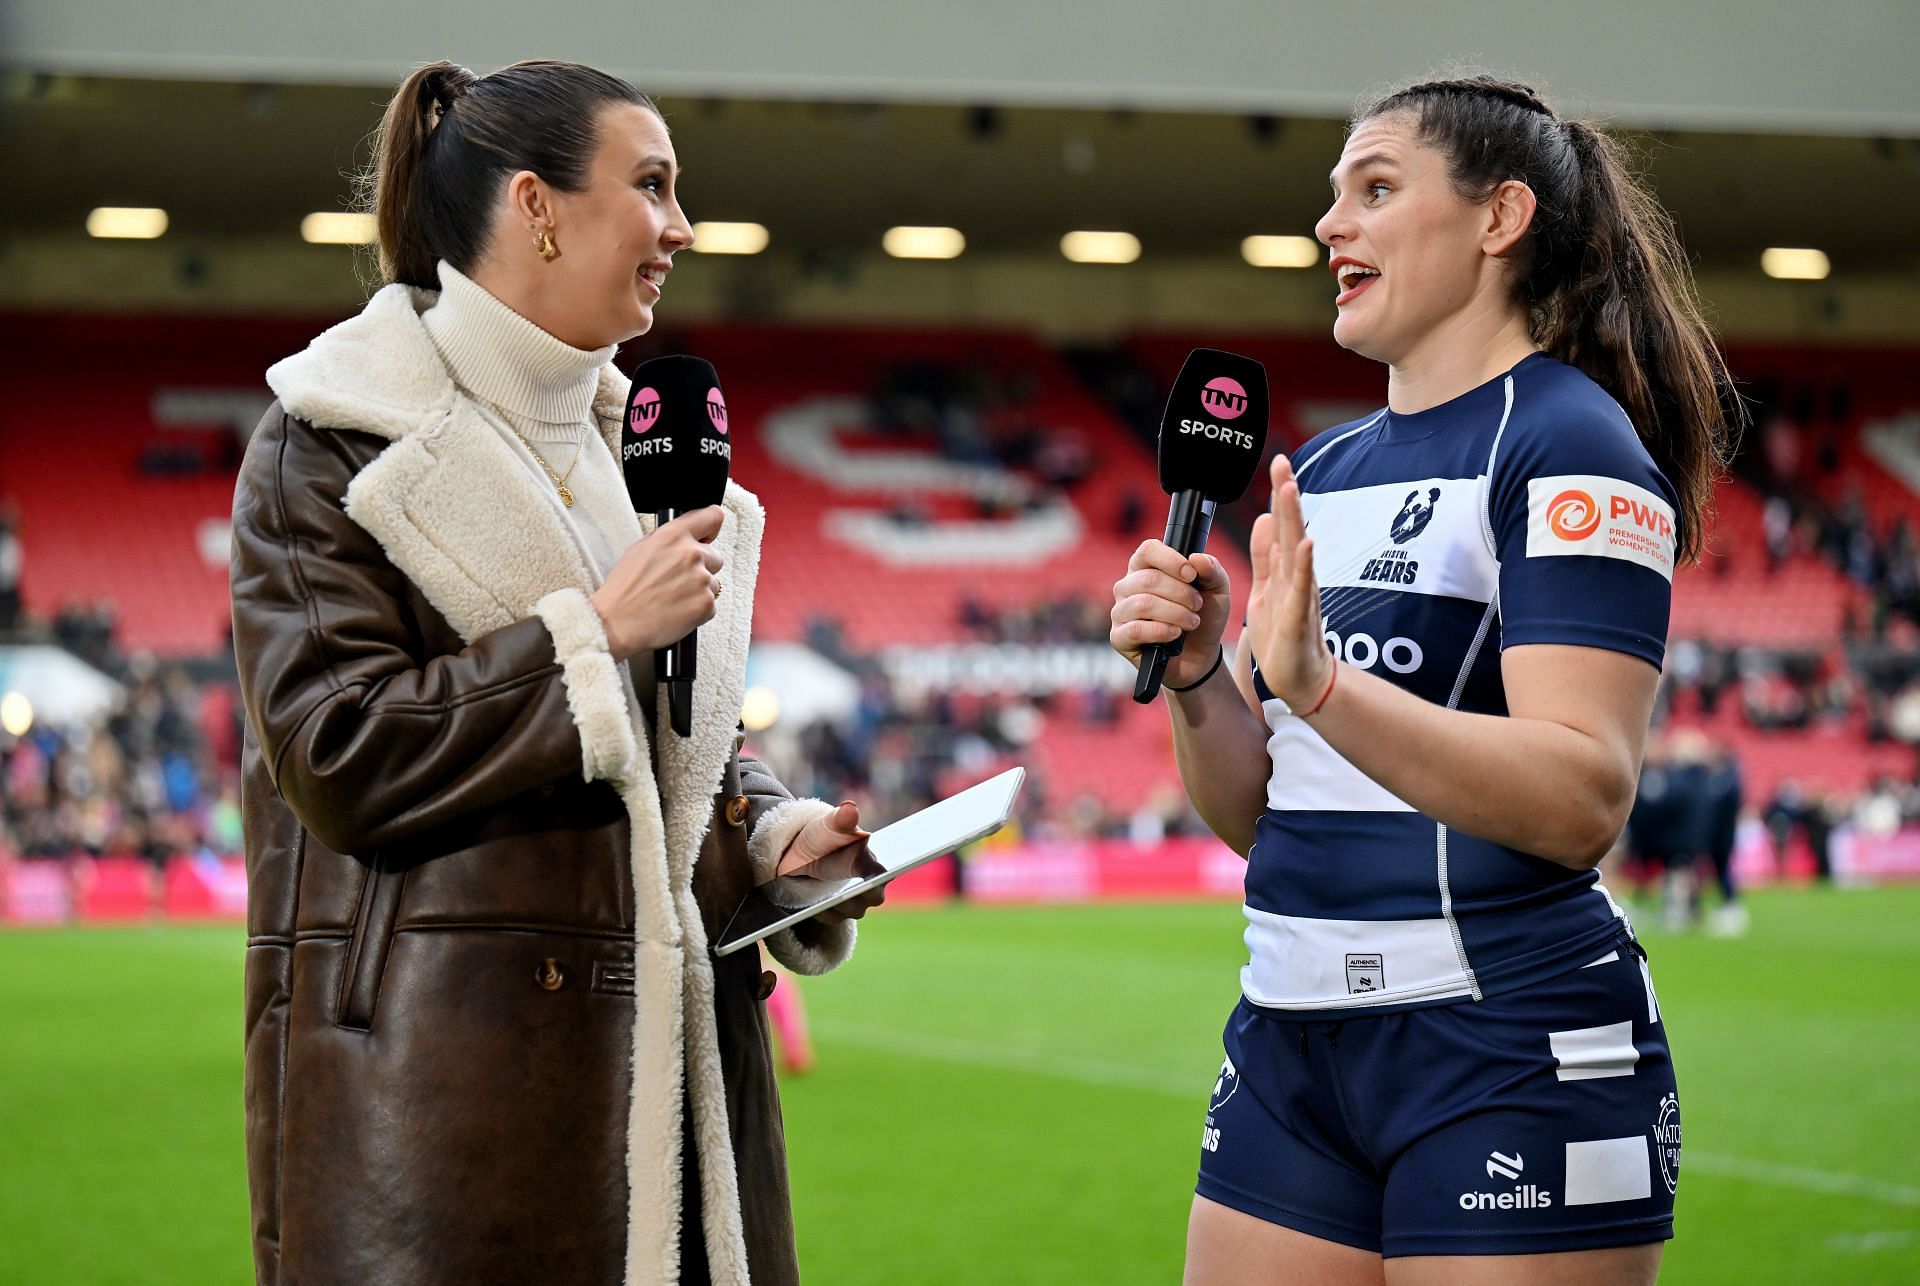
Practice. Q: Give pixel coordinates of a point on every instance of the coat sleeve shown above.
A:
(368, 740)
(774, 817)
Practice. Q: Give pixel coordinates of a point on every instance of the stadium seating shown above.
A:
(115, 442)
(79, 418)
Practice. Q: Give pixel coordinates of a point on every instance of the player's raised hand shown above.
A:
(1283, 612)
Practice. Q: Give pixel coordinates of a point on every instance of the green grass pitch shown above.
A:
(1006, 1095)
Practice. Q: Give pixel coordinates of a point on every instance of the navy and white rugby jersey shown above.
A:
(1524, 511)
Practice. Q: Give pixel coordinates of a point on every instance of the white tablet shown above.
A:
(934, 831)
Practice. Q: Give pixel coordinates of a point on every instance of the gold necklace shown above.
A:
(559, 480)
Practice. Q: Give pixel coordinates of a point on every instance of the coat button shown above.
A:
(737, 809)
(549, 976)
(768, 981)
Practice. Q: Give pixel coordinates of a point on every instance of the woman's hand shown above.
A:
(664, 587)
(831, 848)
(1163, 596)
(1283, 612)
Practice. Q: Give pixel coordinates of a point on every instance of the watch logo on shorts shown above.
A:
(1366, 973)
(1525, 1196)
(1666, 1140)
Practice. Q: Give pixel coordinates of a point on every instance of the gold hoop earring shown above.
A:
(543, 242)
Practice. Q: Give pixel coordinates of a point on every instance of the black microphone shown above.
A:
(675, 453)
(1211, 437)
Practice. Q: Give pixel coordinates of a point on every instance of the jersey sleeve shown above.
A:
(1585, 528)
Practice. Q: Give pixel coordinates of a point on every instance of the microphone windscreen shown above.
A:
(675, 449)
(1215, 425)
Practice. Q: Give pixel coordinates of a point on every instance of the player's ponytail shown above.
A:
(1601, 270)
(449, 139)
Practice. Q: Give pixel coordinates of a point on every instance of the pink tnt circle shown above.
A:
(646, 410)
(1223, 396)
(717, 411)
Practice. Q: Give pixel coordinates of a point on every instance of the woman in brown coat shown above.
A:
(486, 1038)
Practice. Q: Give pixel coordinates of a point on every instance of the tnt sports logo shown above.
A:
(1225, 397)
(646, 410)
(1666, 1140)
(1414, 515)
(1525, 1196)
(1583, 514)
(717, 411)
(1573, 515)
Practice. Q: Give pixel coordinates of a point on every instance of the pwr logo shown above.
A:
(646, 410)
(1573, 515)
(1597, 517)
(1225, 397)
(1659, 521)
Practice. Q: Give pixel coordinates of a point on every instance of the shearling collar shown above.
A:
(379, 372)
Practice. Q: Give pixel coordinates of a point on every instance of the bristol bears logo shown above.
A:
(1414, 515)
(1225, 1086)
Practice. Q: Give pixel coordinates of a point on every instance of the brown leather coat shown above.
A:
(482, 1019)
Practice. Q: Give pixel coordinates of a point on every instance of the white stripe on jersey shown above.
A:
(1329, 963)
(1354, 545)
(1308, 774)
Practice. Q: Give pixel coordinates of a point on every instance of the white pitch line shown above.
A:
(1090, 1071)
(1865, 1243)
(1793, 1176)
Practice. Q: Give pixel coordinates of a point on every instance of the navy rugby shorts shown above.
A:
(1540, 1120)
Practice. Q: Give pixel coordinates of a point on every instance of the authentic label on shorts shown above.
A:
(1583, 513)
(1366, 973)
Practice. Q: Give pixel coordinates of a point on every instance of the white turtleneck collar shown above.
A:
(500, 356)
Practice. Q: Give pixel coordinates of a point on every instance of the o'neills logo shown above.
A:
(717, 411)
(1573, 515)
(1225, 397)
(646, 410)
(1524, 1196)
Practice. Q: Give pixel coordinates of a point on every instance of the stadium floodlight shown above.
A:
(1100, 247)
(338, 228)
(1795, 265)
(16, 714)
(906, 242)
(1281, 252)
(760, 709)
(729, 238)
(127, 222)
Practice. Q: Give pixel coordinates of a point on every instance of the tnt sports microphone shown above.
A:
(675, 453)
(1211, 438)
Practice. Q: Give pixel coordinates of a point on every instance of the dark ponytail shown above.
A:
(450, 139)
(1602, 271)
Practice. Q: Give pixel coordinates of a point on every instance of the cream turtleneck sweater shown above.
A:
(527, 384)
